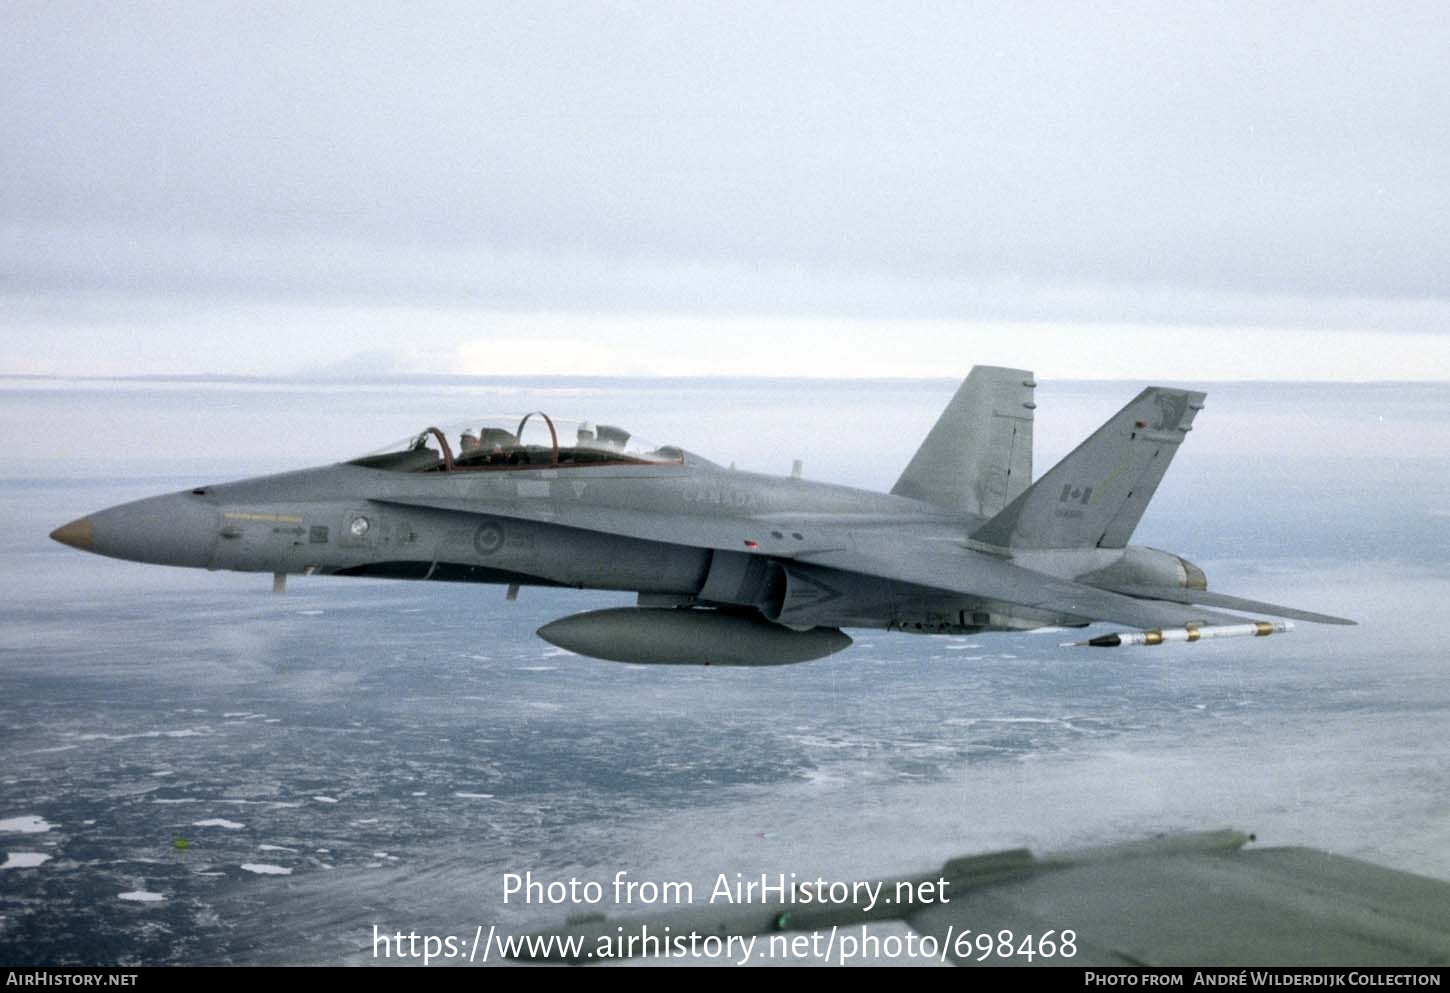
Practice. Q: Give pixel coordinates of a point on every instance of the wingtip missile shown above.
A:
(1186, 634)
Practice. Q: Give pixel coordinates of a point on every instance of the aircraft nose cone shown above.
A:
(76, 534)
(176, 529)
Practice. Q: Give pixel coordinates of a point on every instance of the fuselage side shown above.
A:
(682, 533)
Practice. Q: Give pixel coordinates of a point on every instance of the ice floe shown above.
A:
(24, 860)
(180, 733)
(29, 824)
(141, 896)
(266, 869)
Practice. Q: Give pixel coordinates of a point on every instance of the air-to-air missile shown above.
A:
(1190, 633)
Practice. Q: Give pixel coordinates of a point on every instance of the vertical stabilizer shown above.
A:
(1097, 494)
(978, 457)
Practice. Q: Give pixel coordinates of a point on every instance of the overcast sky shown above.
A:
(857, 189)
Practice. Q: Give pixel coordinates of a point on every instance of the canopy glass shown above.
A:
(530, 441)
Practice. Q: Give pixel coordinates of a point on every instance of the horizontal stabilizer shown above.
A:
(1177, 595)
(971, 573)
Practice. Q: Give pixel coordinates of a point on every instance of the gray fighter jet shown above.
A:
(733, 568)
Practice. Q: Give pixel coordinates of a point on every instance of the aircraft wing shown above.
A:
(1179, 595)
(955, 569)
(925, 555)
(702, 531)
(1180, 900)
(1177, 905)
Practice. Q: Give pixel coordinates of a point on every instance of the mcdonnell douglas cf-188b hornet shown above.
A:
(733, 568)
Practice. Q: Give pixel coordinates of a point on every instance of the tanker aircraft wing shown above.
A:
(1201, 899)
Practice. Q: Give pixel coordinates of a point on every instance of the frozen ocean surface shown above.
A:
(198, 771)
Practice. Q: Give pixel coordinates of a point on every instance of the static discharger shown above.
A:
(1255, 629)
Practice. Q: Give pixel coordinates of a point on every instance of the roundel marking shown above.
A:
(488, 538)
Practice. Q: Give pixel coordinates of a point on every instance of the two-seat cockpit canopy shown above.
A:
(530, 441)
